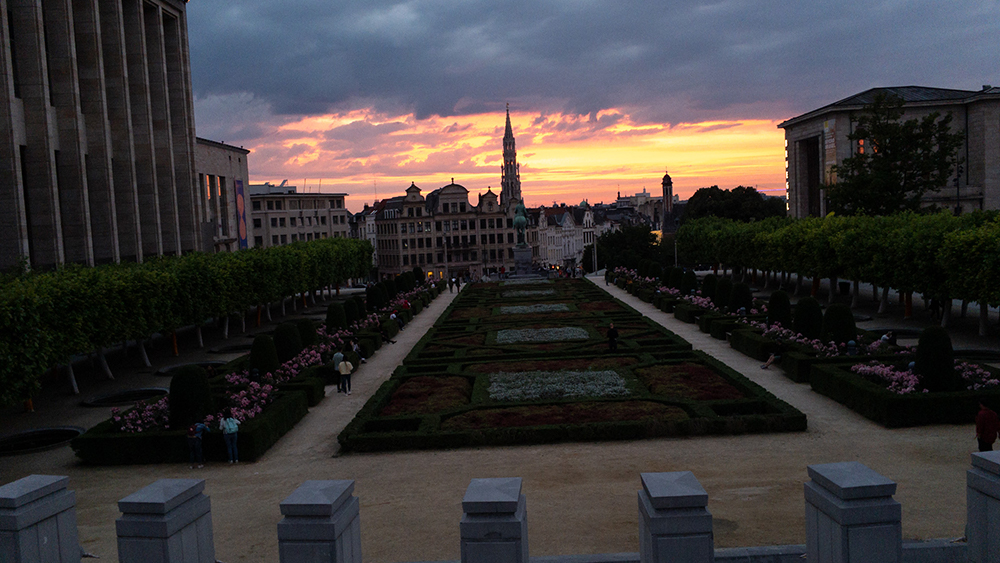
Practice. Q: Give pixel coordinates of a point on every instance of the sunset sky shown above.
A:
(366, 96)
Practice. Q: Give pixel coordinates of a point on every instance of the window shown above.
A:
(343, 219)
(420, 243)
(412, 228)
(493, 254)
(482, 223)
(295, 238)
(510, 224)
(465, 225)
(256, 205)
(281, 221)
(294, 204)
(440, 257)
(430, 257)
(420, 212)
(454, 225)
(291, 221)
(510, 238)
(322, 220)
(438, 242)
(437, 226)
(473, 255)
(510, 253)
(257, 223)
(270, 206)
(258, 241)
(444, 207)
(284, 239)
(482, 239)
(274, 239)
(309, 221)
(493, 238)
(462, 207)
(420, 227)
(409, 212)
(274, 222)
(277, 205)
(406, 259)
(406, 244)
(492, 224)
(309, 236)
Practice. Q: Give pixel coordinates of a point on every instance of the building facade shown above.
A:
(817, 141)
(279, 215)
(97, 134)
(224, 183)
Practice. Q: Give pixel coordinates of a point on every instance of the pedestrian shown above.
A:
(987, 426)
(356, 348)
(345, 368)
(451, 285)
(770, 360)
(337, 358)
(194, 434)
(612, 338)
(230, 426)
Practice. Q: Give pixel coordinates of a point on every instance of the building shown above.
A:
(279, 215)
(817, 140)
(97, 134)
(510, 171)
(223, 181)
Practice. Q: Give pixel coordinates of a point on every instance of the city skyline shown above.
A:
(603, 97)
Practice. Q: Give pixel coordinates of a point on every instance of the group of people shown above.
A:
(228, 424)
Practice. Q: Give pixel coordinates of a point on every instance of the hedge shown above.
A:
(875, 403)
(687, 312)
(103, 445)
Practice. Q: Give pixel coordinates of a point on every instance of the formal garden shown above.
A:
(527, 361)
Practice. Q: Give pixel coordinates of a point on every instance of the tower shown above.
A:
(510, 173)
(668, 201)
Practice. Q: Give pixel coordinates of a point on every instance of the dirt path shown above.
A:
(581, 497)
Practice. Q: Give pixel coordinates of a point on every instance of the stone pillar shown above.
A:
(494, 527)
(321, 524)
(674, 525)
(851, 516)
(169, 521)
(983, 508)
(38, 521)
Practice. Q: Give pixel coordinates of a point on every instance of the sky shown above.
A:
(365, 97)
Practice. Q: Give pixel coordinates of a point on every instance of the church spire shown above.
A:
(510, 173)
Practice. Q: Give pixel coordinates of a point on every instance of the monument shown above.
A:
(522, 252)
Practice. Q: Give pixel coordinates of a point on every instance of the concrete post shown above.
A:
(321, 524)
(983, 508)
(169, 521)
(851, 516)
(494, 528)
(674, 525)
(38, 521)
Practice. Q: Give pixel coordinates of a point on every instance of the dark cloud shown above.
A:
(664, 62)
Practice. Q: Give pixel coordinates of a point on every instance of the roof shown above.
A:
(221, 145)
(911, 95)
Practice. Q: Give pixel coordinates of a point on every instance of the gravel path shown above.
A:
(581, 497)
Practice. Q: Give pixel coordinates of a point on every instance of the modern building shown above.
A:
(97, 135)
(224, 182)
(818, 140)
(279, 215)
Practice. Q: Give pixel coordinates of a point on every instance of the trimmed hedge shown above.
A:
(752, 343)
(688, 313)
(875, 403)
(102, 445)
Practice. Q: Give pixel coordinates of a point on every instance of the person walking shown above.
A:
(194, 434)
(337, 358)
(987, 426)
(230, 426)
(612, 338)
(345, 367)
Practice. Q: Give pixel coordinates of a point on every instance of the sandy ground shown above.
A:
(581, 497)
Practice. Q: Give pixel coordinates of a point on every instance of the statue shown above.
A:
(520, 222)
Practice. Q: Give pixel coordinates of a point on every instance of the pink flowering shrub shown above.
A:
(903, 382)
(820, 348)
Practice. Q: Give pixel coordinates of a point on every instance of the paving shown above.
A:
(581, 497)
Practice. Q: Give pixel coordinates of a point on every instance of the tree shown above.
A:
(626, 247)
(897, 162)
(740, 204)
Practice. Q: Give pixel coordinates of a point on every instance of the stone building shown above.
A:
(224, 182)
(817, 140)
(279, 215)
(97, 134)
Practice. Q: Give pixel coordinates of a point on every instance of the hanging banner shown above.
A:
(241, 214)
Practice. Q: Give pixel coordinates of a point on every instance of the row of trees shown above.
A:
(47, 318)
(941, 256)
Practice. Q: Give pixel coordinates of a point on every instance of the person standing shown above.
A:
(337, 358)
(230, 426)
(194, 434)
(987, 426)
(345, 367)
(612, 338)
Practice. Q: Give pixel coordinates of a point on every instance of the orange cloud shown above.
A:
(563, 158)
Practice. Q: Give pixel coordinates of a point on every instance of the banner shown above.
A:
(241, 214)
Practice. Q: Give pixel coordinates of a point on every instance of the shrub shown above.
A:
(336, 317)
(779, 310)
(740, 298)
(655, 270)
(708, 286)
(307, 333)
(689, 282)
(808, 318)
(190, 397)
(674, 280)
(935, 361)
(418, 275)
(264, 355)
(391, 288)
(287, 342)
(723, 291)
(838, 324)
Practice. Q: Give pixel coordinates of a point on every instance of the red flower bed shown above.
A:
(598, 306)
(689, 381)
(425, 395)
(571, 413)
(471, 312)
(555, 365)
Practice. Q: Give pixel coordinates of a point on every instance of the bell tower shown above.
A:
(668, 201)
(510, 172)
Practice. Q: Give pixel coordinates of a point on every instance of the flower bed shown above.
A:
(687, 381)
(426, 395)
(534, 309)
(566, 384)
(571, 413)
(515, 335)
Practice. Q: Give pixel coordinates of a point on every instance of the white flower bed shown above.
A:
(527, 293)
(524, 282)
(536, 308)
(515, 335)
(531, 385)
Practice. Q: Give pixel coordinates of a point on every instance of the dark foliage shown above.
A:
(723, 291)
(264, 355)
(779, 309)
(190, 397)
(935, 361)
(336, 317)
(838, 324)
(808, 318)
(287, 341)
(740, 204)
(740, 298)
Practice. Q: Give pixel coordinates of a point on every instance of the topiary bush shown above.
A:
(350, 312)
(935, 361)
(779, 310)
(391, 288)
(808, 319)
(190, 397)
(307, 333)
(708, 286)
(264, 355)
(336, 317)
(689, 282)
(674, 280)
(740, 298)
(287, 342)
(723, 291)
(838, 324)
(360, 302)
